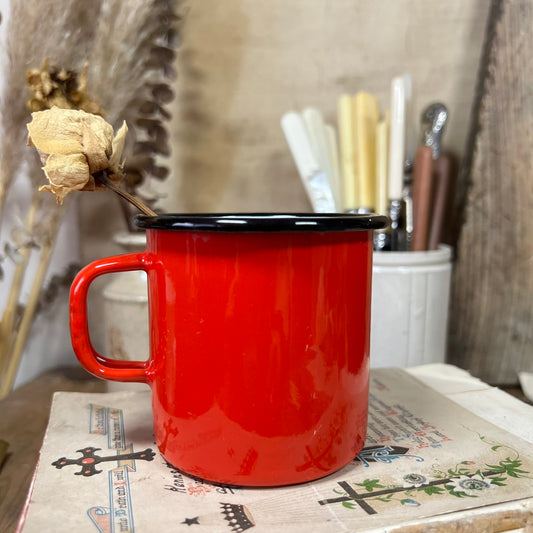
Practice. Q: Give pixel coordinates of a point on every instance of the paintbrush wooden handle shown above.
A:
(441, 197)
(422, 198)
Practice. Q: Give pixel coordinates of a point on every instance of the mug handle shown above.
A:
(91, 360)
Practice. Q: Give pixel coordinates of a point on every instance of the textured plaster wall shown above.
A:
(243, 63)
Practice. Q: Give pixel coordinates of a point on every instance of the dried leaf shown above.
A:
(147, 147)
(162, 54)
(154, 129)
(160, 172)
(152, 108)
(162, 93)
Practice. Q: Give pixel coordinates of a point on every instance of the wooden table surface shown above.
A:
(23, 420)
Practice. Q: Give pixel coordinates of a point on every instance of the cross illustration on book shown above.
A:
(478, 482)
(89, 460)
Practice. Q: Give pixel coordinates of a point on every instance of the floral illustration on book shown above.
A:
(413, 489)
(464, 480)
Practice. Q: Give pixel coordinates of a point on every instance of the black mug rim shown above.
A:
(262, 222)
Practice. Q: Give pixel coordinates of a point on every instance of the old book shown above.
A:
(442, 448)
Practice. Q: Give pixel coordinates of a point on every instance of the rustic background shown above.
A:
(241, 64)
(491, 329)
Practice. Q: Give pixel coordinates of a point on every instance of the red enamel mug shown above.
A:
(259, 341)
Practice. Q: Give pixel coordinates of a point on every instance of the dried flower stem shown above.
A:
(3, 194)
(13, 335)
(4, 446)
(15, 355)
(6, 180)
(102, 178)
(113, 34)
(8, 322)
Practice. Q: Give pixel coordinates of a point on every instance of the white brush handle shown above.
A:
(335, 178)
(382, 177)
(397, 137)
(294, 129)
(316, 131)
(313, 178)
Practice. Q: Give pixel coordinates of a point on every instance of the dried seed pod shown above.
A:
(52, 85)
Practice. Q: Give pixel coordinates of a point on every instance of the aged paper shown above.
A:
(425, 456)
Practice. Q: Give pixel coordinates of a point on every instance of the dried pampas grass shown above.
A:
(129, 45)
(118, 56)
(61, 30)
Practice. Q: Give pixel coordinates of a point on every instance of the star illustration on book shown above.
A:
(191, 521)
